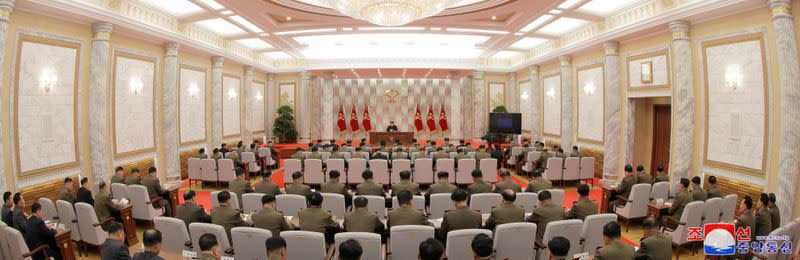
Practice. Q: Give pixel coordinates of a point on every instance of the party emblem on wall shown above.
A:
(391, 95)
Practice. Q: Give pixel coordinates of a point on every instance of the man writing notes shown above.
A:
(392, 127)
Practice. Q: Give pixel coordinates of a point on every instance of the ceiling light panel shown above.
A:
(227, 12)
(305, 31)
(604, 7)
(246, 23)
(353, 46)
(505, 54)
(569, 3)
(528, 43)
(562, 25)
(213, 4)
(278, 55)
(537, 22)
(476, 31)
(391, 28)
(457, 4)
(221, 27)
(174, 7)
(255, 43)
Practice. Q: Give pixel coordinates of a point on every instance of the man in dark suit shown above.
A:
(392, 127)
(558, 247)
(7, 212)
(190, 212)
(431, 249)
(84, 194)
(462, 217)
(276, 248)
(152, 246)
(37, 233)
(19, 218)
(114, 247)
(154, 190)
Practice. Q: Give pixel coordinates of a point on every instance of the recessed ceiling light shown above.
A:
(562, 25)
(213, 4)
(288, 18)
(347, 29)
(505, 54)
(555, 11)
(436, 29)
(391, 28)
(221, 27)
(518, 33)
(246, 23)
(304, 31)
(476, 31)
(391, 45)
(174, 7)
(528, 43)
(227, 12)
(604, 7)
(537, 22)
(567, 4)
(255, 43)
(278, 55)
(494, 17)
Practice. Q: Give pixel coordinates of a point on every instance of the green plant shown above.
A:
(284, 127)
(500, 109)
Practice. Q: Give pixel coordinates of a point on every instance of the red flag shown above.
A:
(418, 120)
(366, 122)
(431, 120)
(443, 119)
(354, 119)
(341, 123)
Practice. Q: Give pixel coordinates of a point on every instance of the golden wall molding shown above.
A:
(239, 97)
(647, 55)
(135, 55)
(199, 69)
(544, 96)
(578, 97)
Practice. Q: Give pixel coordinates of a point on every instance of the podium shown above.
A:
(406, 138)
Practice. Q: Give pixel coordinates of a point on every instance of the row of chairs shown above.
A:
(792, 230)
(423, 170)
(143, 208)
(222, 170)
(558, 169)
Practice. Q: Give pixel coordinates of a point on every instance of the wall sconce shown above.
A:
(259, 97)
(48, 80)
(551, 93)
(733, 76)
(524, 95)
(137, 86)
(589, 89)
(193, 90)
(231, 94)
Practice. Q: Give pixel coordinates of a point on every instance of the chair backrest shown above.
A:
(336, 164)
(313, 172)
(489, 169)
(712, 210)
(423, 170)
(5, 251)
(571, 168)
(290, 204)
(194, 169)
(554, 169)
(380, 170)
(412, 236)
(637, 205)
(569, 229)
(251, 202)
(592, 230)
(174, 232)
(484, 202)
(290, 166)
(142, 208)
(440, 203)
(370, 244)
(304, 244)
(460, 239)
(208, 169)
(225, 170)
(263, 152)
(49, 211)
(356, 166)
(514, 240)
(417, 202)
(67, 216)
(119, 190)
(248, 242)
(250, 159)
(16, 243)
(325, 155)
(728, 207)
(377, 205)
(306, 154)
(215, 201)
(465, 168)
(447, 165)
(197, 229)
(557, 197)
(673, 190)
(398, 166)
(660, 190)
(87, 218)
(516, 151)
(587, 168)
(334, 203)
(692, 214)
(533, 156)
(527, 201)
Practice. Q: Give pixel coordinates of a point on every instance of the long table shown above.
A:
(406, 138)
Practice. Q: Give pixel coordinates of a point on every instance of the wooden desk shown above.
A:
(605, 199)
(173, 188)
(654, 210)
(129, 224)
(65, 244)
(390, 138)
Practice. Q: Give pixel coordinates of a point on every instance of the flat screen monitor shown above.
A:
(505, 123)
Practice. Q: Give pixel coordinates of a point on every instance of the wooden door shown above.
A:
(662, 115)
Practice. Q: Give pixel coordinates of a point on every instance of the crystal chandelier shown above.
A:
(389, 12)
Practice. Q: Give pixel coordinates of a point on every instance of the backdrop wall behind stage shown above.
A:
(388, 100)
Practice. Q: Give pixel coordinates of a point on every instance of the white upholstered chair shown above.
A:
(290, 204)
(460, 239)
(464, 173)
(338, 165)
(304, 244)
(215, 201)
(484, 202)
(417, 202)
(250, 159)
(712, 210)
(334, 203)
(592, 231)
(512, 160)
(17, 246)
(248, 242)
(660, 190)
(194, 170)
(377, 205)
(423, 171)
(356, 166)
(67, 216)
(291, 166)
(514, 240)
(587, 169)
(208, 171)
(532, 157)
(635, 205)
(489, 169)
(569, 229)
(313, 172)
(728, 207)
(251, 202)
(49, 211)
(120, 191)
(398, 166)
(571, 169)
(691, 217)
(439, 204)
(447, 165)
(175, 234)
(370, 244)
(380, 170)
(91, 232)
(554, 169)
(142, 206)
(197, 229)
(404, 240)
(557, 197)
(527, 201)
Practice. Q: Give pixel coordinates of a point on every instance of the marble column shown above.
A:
(216, 100)
(6, 7)
(169, 113)
(303, 113)
(467, 111)
(454, 118)
(246, 97)
(630, 131)
(566, 101)
(271, 97)
(99, 105)
(683, 100)
(479, 99)
(512, 97)
(613, 132)
(536, 104)
(783, 23)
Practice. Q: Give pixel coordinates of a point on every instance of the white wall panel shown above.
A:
(552, 104)
(256, 106)
(192, 97)
(134, 87)
(231, 110)
(591, 108)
